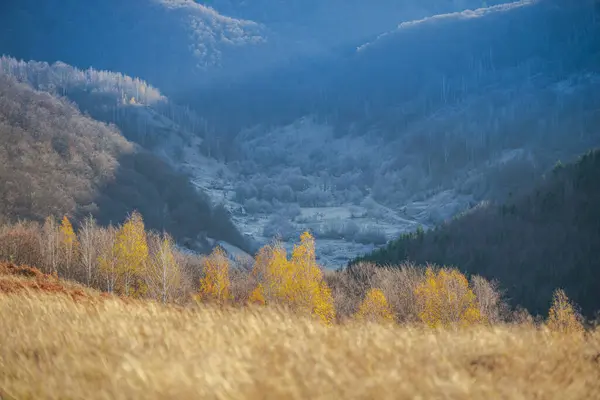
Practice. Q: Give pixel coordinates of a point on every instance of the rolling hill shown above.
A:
(378, 134)
(411, 127)
(532, 244)
(58, 161)
(166, 42)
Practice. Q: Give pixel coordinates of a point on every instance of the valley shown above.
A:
(287, 122)
(291, 199)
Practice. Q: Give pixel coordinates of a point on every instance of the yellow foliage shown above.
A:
(323, 307)
(375, 308)
(131, 250)
(445, 299)
(562, 317)
(297, 282)
(68, 237)
(68, 245)
(257, 296)
(215, 285)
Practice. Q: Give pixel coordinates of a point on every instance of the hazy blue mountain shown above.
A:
(313, 26)
(166, 42)
(424, 121)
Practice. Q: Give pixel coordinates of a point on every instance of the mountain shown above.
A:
(350, 120)
(166, 42)
(315, 26)
(175, 43)
(58, 161)
(410, 128)
(532, 244)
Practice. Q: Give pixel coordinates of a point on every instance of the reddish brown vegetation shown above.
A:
(37, 281)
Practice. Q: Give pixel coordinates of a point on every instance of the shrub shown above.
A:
(296, 282)
(215, 284)
(446, 300)
(489, 299)
(254, 206)
(281, 227)
(21, 244)
(375, 308)
(290, 211)
(563, 316)
(370, 235)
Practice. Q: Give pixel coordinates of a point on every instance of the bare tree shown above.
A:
(50, 245)
(164, 273)
(107, 258)
(88, 248)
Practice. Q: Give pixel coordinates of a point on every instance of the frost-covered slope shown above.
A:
(358, 143)
(167, 42)
(425, 121)
(118, 181)
(312, 26)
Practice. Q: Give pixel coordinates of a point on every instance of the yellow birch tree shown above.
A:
(446, 300)
(131, 249)
(68, 247)
(296, 282)
(563, 318)
(215, 286)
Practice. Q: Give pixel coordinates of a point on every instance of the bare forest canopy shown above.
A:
(57, 161)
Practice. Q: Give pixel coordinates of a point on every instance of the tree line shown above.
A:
(130, 261)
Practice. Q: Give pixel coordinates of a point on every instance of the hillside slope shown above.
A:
(166, 42)
(313, 27)
(412, 127)
(57, 161)
(141, 111)
(532, 244)
(121, 348)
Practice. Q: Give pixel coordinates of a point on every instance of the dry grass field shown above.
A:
(61, 341)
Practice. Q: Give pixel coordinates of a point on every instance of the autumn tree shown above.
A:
(375, 308)
(215, 286)
(164, 273)
(107, 258)
(131, 249)
(68, 247)
(563, 317)
(257, 296)
(88, 235)
(296, 282)
(50, 245)
(445, 299)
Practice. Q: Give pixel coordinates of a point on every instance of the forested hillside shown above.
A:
(57, 161)
(393, 126)
(531, 244)
(449, 93)
(141, 111)
(160, 159)
(166, 42)
(314, 27)
(413, 126)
